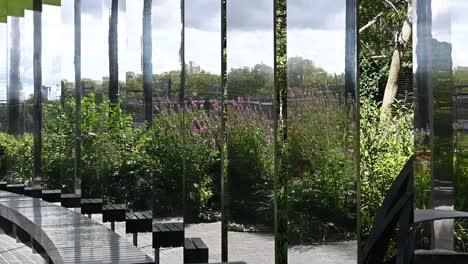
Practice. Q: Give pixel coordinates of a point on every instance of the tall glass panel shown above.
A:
(321, 134)
(15, 95)
(440, 179)
(459, 93)
(203, 124)
(27, 53)
(98, 149)
(249, 204)
(3, 89)
(57, 137)
(132, 94)
(165, 109)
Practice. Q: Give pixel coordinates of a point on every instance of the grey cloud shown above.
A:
(98, 8)
(247, 15)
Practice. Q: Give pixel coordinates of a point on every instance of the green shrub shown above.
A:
(385, 148)
(17, 161)
(323, 168)
(250, 166)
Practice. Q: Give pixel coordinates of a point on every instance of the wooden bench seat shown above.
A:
(63, 235)
(70, 200)
(34, 192)
(195, 251)
(15, 188)
(91, 206)
(52, 196)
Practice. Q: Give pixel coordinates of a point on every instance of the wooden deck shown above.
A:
(66, 236)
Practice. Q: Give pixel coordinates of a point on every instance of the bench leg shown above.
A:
(89, 216)
(135, 239)
(113, 226)
(156, 255)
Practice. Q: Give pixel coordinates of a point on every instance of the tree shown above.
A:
(385, 38)
(403, 39)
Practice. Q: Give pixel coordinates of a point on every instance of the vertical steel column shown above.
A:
(37, 112)
(280, 132)
(78, 90)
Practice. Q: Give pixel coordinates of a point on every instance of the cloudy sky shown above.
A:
(315, 31)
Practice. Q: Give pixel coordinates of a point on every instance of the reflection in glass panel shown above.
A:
(439, 119)
(97, 149)
(3, 90)
(57, 50)
(15, 109)
(164, 112)
(250, 188)
(3, 78)
(203, 123)
(27, 76)
(321, 134)
(459, 39)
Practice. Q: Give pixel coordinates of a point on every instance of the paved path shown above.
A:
(249, 247)
(17, 253)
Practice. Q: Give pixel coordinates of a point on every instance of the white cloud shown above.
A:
(321, 42)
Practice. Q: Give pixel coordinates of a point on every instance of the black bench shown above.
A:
(168, 235)
(15, 188)
(63, 235)
(3, 186)
(52, 196)
(113, 213)
(34, 192)
(195, 251)
(70, 200)
(91, 206)
(138, 222)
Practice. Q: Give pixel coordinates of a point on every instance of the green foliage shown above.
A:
(385, 148)
(17, 161)
(322, 163)
(250, 166)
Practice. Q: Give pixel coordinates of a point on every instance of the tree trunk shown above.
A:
(113, 54)
(14, 88)
(147, 65)
(402, 42)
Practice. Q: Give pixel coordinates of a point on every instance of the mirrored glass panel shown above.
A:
(203, 123)
(3, 75)
(439, 120)
(321, 133)
(164, 99)
(459, 93)
(57, 119)
(3, 90)
(17, 173)
(97, 150)
(249, 201)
